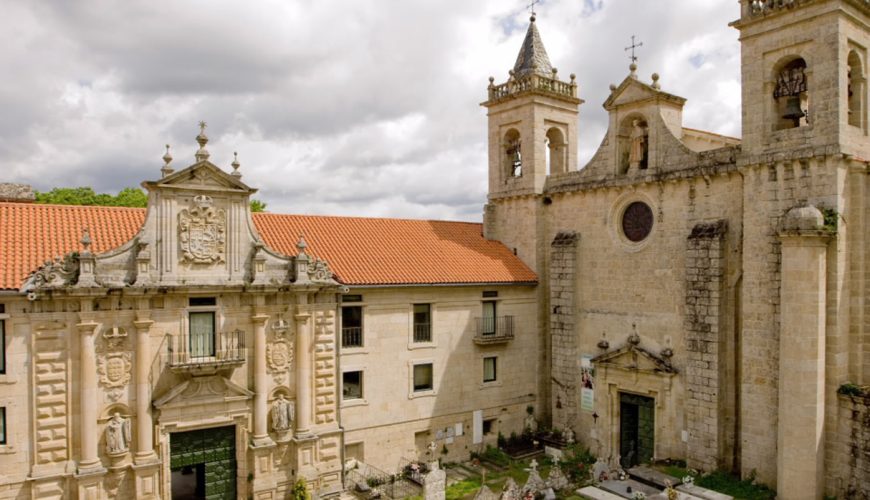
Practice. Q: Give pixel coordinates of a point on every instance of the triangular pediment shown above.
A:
(632, 357)
(202, 175)
(632, 90)
(213, 390)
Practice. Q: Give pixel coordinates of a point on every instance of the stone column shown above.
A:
(89, 460)
(144, 424)
(801, 445)
(303, 368)
(261, 430)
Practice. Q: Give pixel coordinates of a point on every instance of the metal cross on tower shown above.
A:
(632, 47)
(531, 6)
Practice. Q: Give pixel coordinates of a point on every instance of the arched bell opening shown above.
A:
(557, 150)
(791, 94)
(633, 144)
(513, 158)
(857, 90)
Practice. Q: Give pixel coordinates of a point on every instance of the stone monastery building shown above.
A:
(683, 295)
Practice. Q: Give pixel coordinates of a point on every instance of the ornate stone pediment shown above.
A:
(632, 90)
(633, 357)
(203, 174)
(214, 390)
(55, 273)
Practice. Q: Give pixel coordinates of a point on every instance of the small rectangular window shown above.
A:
(490, 294)
(489, 369)
(351, 298)
(2, 425)
(423, 377)
(351, 326)
(202, 301)
(422, 323)
(352, 385)
(202, 327)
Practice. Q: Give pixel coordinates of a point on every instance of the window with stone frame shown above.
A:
(351, 326)
(422, 323)
(3, 439)
(202, 325)
(423, 377)
(2, 339)
(352, 385)
(490, 366)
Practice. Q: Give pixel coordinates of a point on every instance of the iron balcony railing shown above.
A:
(352, 336)
(422, 332)
(203, 354)
(494, 330)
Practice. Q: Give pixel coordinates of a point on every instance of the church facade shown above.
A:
(703, 296)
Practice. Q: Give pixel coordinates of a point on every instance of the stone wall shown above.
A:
(563, 335)
(10, 191)
(849, 470)
(704, 293)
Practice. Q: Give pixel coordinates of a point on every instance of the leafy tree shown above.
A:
(127, 197)
(257, 206)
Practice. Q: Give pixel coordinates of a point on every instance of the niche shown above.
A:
(633, 140)
(556, 151)
(856, 89)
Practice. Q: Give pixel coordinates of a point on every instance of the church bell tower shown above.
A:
(532, 134)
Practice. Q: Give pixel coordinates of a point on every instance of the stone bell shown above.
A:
(793, 110)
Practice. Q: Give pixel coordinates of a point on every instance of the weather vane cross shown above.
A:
(202, 126)
(633, 46)
(531, 6)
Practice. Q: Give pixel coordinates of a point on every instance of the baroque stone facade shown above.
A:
(711, 297)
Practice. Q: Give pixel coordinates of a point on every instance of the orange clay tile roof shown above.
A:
(360, 251)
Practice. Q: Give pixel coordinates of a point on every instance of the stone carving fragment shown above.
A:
(54, 273)
(279, 355)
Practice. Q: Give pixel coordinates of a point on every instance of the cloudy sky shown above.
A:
(345, 107)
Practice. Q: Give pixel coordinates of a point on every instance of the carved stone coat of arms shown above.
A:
(202, 232)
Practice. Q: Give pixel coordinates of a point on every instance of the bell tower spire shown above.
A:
(532, 124)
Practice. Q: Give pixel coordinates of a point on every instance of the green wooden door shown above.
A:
(636, 429)
(215, 449)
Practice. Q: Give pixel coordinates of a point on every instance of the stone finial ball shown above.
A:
(803, 218)
(612, 87)
(655, 77)
(491, 79)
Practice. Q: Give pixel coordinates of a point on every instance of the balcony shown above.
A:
(498, 330)
(202, 355)
(352, 336)
(422, 332)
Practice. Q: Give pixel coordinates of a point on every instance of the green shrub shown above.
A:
(724, 482)
(300, 490)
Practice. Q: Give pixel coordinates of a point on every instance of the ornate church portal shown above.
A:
(203, 463)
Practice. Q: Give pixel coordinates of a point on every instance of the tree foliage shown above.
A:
(127, 197)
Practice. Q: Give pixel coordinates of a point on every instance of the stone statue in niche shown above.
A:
(118, 435)
(283, 414)
(638, 150)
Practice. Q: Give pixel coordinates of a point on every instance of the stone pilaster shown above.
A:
(801, 441)
(146, 471)
(144, 425)
(261, 430)
(303, 368)
(89, 460)
(704, 292)
(565, 369)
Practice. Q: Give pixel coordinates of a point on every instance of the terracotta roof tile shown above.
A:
(360, 251)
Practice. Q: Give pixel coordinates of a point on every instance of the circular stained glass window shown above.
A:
(637, 221)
